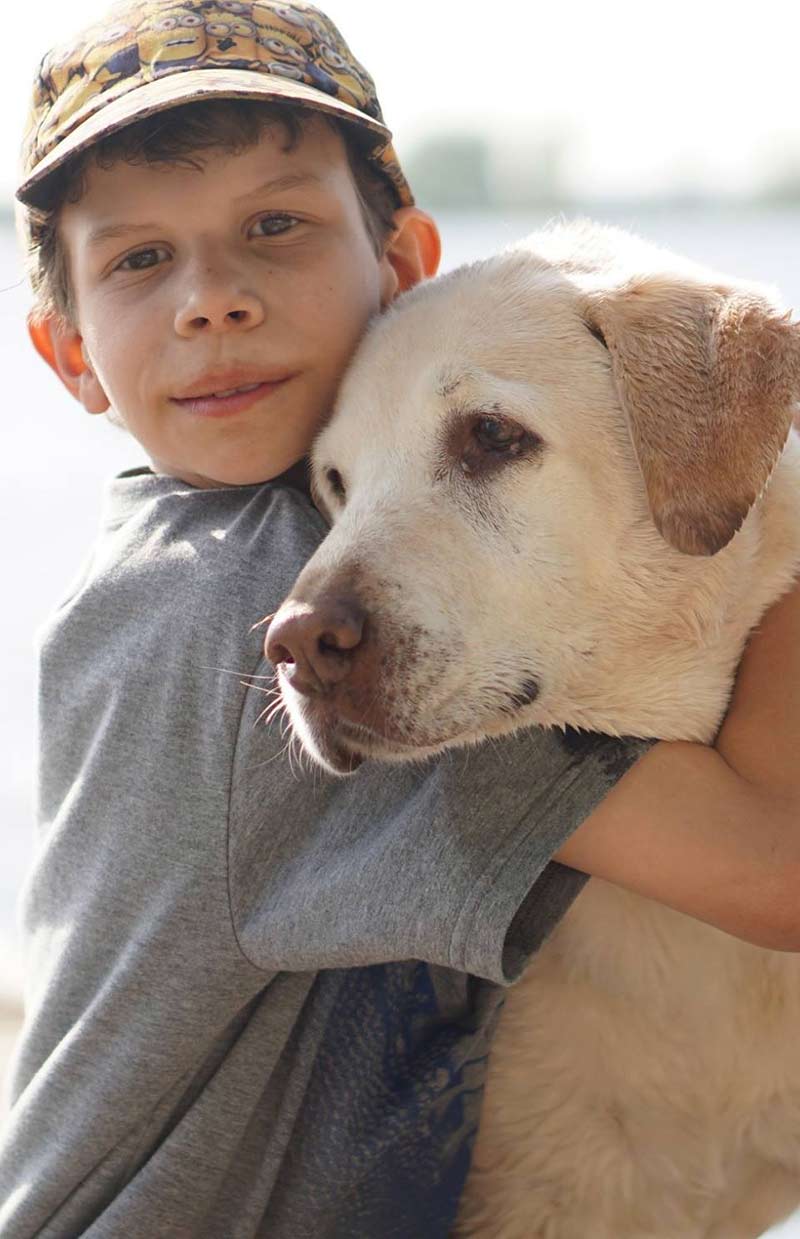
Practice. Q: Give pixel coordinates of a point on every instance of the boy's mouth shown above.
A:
(225, 393)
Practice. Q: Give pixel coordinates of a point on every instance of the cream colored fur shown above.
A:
(645, 1079)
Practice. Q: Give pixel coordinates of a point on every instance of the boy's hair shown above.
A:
(178, 137)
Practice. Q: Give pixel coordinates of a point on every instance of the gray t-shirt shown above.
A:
(259, 997)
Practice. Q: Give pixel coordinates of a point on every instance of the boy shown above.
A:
(260, 1001)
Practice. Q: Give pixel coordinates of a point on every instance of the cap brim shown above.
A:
(188, 86)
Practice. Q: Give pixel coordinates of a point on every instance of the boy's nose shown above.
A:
(215, 308)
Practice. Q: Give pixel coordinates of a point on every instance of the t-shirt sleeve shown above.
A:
(447, 861)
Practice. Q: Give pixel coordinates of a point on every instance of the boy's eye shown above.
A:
(274, 225)
(142, 259)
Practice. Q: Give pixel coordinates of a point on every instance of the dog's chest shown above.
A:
(654, 1052)
(642, 966)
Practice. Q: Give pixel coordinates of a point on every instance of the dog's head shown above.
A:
(534, 475)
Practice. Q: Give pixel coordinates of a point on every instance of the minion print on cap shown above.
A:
(146, 57)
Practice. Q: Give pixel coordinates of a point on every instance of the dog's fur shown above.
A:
(562, 493)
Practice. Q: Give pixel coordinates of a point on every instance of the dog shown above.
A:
(563, 488)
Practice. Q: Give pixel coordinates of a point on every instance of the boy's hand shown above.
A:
(715, 832)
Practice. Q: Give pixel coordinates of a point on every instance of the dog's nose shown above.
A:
(315, 643)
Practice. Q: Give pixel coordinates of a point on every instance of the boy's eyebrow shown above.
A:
(116, 230)
(290, 181)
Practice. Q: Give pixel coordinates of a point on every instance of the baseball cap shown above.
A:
(145, 57)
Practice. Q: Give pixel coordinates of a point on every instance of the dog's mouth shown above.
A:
(343, 745)
(335, 751)
(366, 742)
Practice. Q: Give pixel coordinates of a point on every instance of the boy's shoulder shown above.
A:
(178, 576)
(160, 534)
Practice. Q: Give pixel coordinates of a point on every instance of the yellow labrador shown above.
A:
(548, 485)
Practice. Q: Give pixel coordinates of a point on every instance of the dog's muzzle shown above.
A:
(360, 682)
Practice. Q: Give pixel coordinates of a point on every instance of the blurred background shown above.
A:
(681, 122)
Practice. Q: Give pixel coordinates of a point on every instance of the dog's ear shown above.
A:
(707, 377)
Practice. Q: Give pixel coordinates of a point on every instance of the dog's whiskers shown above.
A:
(260, 623)
(270, 711)
(258, 688)
(231, 671)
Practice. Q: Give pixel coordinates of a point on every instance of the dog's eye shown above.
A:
(334, 479)
(497, 434)
(484, 443)
(497, 439)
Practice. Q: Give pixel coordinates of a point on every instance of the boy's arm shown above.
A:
(715, 832)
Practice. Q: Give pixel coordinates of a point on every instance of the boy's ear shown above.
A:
(412, 251)
(61, 346)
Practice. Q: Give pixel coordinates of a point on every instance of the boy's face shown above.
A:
(255, 273)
